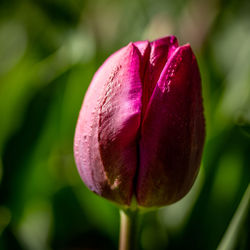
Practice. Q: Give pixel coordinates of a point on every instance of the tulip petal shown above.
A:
(172, 133)
(160, 52)
(106, 135)
(144, 49)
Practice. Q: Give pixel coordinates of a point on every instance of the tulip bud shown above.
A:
(140, 131)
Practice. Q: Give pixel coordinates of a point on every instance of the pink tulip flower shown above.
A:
(140, 131)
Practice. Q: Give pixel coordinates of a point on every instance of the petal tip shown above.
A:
(167, 40)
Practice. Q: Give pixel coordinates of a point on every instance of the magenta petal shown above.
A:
(105, 144)
(160, 52)
(172, 133)
(144, 49)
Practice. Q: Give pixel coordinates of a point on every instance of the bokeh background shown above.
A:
(49, 51)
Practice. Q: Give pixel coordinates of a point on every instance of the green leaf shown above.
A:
(233, 232)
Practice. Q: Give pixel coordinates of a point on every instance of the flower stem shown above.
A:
(128, 229)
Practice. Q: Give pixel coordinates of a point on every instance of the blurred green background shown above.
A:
(49, 51)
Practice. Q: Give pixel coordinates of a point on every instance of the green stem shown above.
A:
(128, 230)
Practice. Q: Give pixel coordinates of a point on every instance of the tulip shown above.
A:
(140, 131)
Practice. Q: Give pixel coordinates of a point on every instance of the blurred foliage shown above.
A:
(49, 51)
